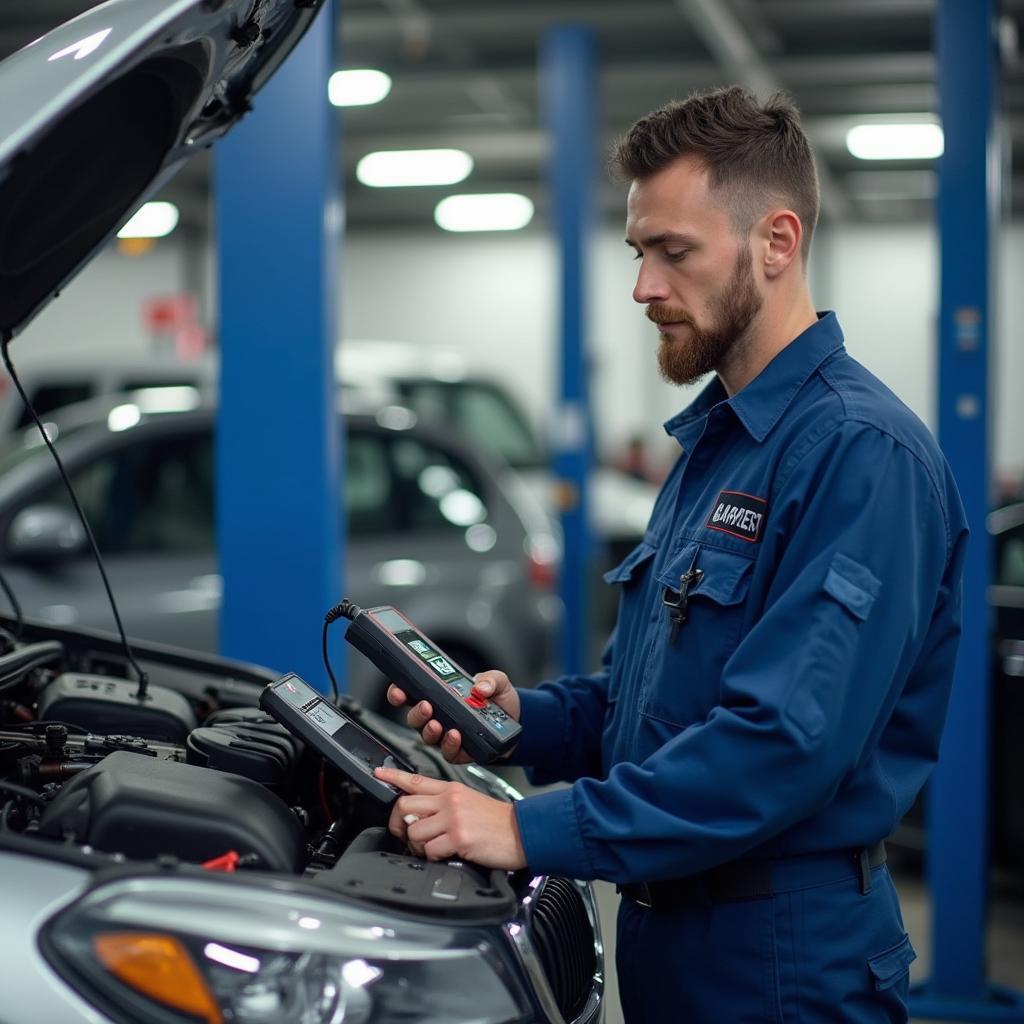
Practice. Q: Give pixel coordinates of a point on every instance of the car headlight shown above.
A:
(175, 950)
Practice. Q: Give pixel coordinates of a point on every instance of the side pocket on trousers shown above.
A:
(892, 965)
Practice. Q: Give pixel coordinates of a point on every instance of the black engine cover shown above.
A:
(144, 807)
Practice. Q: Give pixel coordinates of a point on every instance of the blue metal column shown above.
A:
(568, 66)
(278, 439)
(959, 792)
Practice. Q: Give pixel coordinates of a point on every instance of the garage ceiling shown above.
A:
(465, 75)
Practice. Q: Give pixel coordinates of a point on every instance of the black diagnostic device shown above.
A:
(425, 672)
(349, 747)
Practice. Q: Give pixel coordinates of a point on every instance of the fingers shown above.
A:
(488, 683)
(409, 783)
(451, 745)
(419, 715)
(395, 697)
(433, 733)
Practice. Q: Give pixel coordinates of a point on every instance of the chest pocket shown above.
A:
(682, 676)
(633, 576)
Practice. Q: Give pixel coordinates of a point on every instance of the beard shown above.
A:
(731, 312)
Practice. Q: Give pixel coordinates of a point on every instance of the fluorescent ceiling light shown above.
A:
(498, 211)
(895, 141)
(153, 220)
(358, 88)
(390, 168)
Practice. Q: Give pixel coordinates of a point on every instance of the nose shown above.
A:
(650, 286)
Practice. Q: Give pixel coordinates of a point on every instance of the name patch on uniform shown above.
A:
(739, 515)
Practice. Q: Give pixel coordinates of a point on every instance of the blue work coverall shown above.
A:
(775, 689)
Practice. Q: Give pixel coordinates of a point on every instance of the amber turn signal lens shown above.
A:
(159, 967)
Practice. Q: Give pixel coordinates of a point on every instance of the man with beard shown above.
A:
(772, 697)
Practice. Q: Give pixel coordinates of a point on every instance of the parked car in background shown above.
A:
(63, 378)
(437, 387)
(431, 528)
(1006, 596)
(1006, 705)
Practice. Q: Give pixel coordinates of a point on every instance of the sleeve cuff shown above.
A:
(550, 833)
(541, 741)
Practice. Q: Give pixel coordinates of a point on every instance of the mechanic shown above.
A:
(772, 697)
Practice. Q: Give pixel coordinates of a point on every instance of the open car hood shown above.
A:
(97, 114)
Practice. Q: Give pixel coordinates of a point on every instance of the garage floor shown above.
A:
(1005, 932)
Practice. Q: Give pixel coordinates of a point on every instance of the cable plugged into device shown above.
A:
(344, 610)
(5, 340)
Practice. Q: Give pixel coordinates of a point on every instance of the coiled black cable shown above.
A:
(345, 610)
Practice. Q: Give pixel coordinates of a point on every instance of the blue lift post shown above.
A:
(568, 66)
(278, 442)
(958, 791)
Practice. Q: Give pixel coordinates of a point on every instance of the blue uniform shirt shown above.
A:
(813, 531)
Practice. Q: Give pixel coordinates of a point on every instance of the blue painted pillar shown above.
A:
(959, 792)
(569, 80)
(278, 437)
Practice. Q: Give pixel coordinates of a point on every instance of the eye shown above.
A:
(638, 256)
(676, 257)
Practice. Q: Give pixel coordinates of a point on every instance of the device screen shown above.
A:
(363, 748)
(414, 642)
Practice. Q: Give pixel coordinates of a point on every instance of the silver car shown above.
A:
(171, 854)
(430, 531)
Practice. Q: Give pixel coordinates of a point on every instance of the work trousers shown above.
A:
(827, 953)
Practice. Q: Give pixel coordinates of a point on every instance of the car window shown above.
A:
(435, 491)
(402, 484)
(1011, 557)
(48, 397)
(479, 411)
(155, 496)
(369, 497)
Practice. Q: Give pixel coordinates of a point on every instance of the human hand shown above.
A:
(440, 820)
(493, 685)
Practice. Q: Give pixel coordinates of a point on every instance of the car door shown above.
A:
(148, 497)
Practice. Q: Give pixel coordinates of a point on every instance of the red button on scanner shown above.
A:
(475, 701)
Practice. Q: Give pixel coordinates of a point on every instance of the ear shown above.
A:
(782, 233)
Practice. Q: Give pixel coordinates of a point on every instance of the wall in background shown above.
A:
(493, 299)
(101, 309)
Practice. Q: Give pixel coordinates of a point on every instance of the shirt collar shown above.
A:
(762, 402)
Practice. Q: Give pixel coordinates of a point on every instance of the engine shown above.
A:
(83, 761)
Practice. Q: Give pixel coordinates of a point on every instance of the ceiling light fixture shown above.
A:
(394, 168)
(358, 87)
(895, 141)
(153, 220)
(498, 211)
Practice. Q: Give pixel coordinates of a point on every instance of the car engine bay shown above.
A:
(197, 779)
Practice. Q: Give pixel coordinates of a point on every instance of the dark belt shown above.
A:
(757, 879)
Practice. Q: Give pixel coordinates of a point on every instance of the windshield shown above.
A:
(480, 411)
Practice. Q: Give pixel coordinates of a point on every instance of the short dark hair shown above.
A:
(755, 153)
